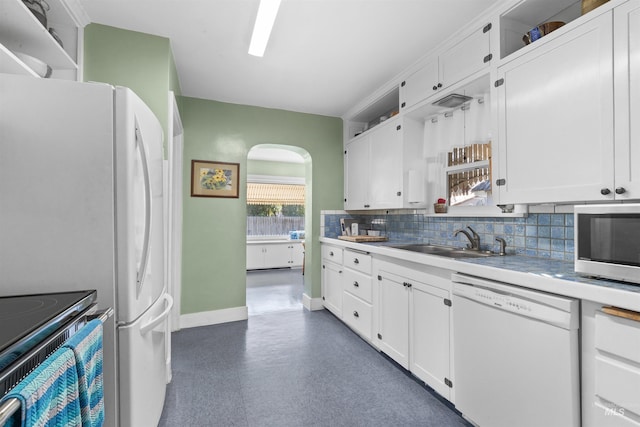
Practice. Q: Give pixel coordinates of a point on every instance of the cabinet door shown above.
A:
(555, 112)
(277, 255)
(420, 85)
(627, 86)
(357, 174)
(255, 256)
(297, 254)
(429, 338)
(393, 319)
(332, 288)
(465, 58)
(386, 168)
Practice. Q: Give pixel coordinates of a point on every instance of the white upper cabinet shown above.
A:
(385, 167)
(356, 177)
(471, 54)
(627, 100)
(555, 118)
(420, 85)
(468, 56)
(21, 31)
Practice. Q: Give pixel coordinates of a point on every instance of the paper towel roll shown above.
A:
(415, 187)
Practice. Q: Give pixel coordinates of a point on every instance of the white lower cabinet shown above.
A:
(332, 284)
(610, 368)
(413, 321)
(429, 350)
(357, 314)
(393, 317)
(357, 309)
(262, 255)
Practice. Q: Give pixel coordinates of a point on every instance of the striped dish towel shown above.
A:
(49, 395)
(86, 345)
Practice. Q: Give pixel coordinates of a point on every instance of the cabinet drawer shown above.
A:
(357, 261)
(618, 383)
(357, 314)
(618, 336)
(332, 253)
(359, 284)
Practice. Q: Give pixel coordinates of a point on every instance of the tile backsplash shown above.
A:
(545, 235)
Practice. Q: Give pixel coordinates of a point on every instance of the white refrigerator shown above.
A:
(81, 208)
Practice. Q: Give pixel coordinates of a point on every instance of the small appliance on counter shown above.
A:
(607, 241)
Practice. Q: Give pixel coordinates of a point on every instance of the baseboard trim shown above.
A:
(312, 304)
(206, 318)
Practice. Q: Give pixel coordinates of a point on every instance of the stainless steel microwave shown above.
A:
(607, 241)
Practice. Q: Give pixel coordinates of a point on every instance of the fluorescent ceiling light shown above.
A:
(262, 29)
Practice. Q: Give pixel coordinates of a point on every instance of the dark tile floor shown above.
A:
(292, 367)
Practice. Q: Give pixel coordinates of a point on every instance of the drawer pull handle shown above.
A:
(356, 284)
(331, 253)
(355, 314)
(355, 261)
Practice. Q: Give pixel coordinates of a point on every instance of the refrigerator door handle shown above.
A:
(144, 256)
(157, 320)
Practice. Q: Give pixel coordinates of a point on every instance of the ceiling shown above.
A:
(323, 57)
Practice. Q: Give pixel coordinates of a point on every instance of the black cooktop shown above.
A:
(25, 320)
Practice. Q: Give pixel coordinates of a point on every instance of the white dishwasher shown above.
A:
(516, 355)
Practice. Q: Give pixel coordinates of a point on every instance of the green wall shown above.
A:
(213, 275)
(264, 167)
(141, 62)
(214, 251)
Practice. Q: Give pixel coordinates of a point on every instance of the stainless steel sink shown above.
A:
(446, 251)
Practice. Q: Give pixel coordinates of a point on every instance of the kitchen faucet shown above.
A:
(474, 242)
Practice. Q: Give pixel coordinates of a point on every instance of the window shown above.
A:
(274, 209)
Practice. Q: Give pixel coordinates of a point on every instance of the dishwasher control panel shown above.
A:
(503, 301)
(553, 309)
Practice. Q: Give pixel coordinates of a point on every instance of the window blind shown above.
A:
(274, 194)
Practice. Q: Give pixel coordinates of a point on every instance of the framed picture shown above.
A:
(214, 179)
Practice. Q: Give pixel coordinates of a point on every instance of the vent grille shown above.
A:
(453, 100)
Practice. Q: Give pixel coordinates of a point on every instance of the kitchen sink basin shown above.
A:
(446, 251)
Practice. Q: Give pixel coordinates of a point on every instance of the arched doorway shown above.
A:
(277, 215)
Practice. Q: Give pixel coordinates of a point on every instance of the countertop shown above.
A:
(544, 274)
(272, 241)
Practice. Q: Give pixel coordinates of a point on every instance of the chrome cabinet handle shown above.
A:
(355, 261)
(605, 191)
(620, 190)
(355, 314)
(356, 284)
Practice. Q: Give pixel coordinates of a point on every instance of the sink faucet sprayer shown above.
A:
(474, 242)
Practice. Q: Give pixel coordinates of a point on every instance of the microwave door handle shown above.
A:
(144, 256)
